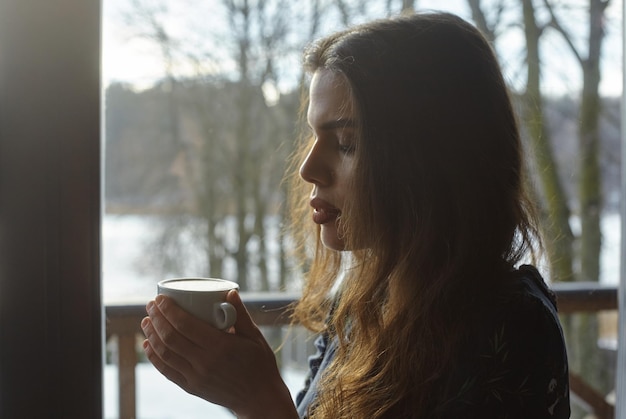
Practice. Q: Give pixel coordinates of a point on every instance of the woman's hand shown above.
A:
(236, 368)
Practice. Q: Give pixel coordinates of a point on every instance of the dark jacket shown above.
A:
(513, 365)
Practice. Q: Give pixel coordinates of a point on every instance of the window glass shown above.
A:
(201, 105)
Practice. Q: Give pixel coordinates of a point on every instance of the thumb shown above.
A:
(244, 325)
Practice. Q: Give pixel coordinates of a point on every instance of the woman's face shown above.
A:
(329, 164)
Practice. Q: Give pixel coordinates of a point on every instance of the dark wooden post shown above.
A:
(50, 308)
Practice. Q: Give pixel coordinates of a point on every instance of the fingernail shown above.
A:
(144, 322)
(149, 306)
(159, 300)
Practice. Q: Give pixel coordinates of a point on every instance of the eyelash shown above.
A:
(346, 149)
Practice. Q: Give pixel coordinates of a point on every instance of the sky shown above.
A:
(128, 58)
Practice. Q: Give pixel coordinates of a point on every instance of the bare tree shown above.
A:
(585, 358)
(255, 55)
(229, 159)
(589, 191)
(565, 250)
(555, 207)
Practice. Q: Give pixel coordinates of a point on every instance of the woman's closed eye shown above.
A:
(346, 141)
(346, 148)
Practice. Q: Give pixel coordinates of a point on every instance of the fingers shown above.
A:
(169, 372)
(179, 338)
(161, 348)
(165, 341)
(173, 354)
(195, 331)
(201, 333)
(244, 325)
(182, 321)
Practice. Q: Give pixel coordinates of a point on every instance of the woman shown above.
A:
(414, 175)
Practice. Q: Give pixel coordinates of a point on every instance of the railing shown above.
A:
(268, 309)
(123, 322)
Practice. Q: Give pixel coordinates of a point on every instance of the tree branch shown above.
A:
(481, 20)
(555, 24)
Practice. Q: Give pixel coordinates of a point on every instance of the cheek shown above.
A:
(344, 181)
(346, 169)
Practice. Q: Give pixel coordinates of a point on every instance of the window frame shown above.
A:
(620, 390)
(51, 332)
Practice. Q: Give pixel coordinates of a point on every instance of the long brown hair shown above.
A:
(438, 198)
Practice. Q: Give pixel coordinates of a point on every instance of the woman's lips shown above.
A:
(323, 212)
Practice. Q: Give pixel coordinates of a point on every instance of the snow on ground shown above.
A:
(158, 398)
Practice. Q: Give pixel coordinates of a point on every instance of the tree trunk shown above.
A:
(587, 360)
(559, 238)
(408, 6)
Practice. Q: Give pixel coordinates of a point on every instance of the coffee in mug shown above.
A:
(204, 298)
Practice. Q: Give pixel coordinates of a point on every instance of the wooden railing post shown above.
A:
(601, 408)
(124, 322)
(577, 297)
(127, 361)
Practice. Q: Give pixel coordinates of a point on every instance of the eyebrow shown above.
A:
(338, 123)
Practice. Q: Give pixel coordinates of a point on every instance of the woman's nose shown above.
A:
(315, 168)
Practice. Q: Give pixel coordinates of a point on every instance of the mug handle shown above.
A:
(225, 315)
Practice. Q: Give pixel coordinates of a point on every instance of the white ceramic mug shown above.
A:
(205, 298)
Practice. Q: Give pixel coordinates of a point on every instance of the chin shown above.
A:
(331, 240)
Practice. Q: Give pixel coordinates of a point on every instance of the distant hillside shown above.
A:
(141, 151)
